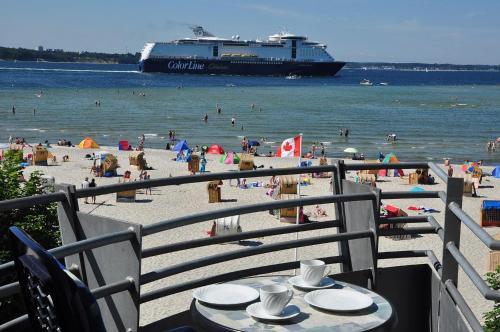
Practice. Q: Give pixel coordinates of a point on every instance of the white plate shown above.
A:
(298, 282)
(226, 294)
(257, 311)
(338, 300)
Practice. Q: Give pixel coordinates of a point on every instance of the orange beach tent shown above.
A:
(88, 143)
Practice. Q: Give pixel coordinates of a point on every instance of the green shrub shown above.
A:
(38, 221)
(492, 318)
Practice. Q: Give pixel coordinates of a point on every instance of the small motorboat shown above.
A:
(366, 82)
(384, 83)
(292, 77)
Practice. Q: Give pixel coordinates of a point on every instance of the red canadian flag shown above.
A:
(290, 147)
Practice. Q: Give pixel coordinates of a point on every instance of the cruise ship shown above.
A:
(282, 54)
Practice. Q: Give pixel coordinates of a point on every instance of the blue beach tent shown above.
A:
(181, 145)
(496, 172)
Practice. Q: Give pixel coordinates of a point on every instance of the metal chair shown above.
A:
(55, 299)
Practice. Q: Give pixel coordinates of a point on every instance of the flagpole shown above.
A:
(298, 207)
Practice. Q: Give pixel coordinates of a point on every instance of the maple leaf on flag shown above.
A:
(290, 147)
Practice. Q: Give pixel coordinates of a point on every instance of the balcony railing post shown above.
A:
(69, 225)
(340, 215)
(452, 225)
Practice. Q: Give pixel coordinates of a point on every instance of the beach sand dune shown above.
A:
(170, 202)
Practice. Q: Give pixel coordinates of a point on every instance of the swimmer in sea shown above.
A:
(205, 118)
(233, 121)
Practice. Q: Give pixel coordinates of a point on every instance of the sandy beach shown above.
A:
(169, 202)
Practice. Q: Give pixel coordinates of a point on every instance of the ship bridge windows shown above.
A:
(272, 45)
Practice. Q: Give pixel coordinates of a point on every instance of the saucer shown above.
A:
(338, 300)
(226, 294)
(257, 311)
(298, 282)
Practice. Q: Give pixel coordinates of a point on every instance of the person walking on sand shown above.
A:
(86, 184)
(203, 164)
(92, 184)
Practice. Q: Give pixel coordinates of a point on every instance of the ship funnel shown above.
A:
(200, 32)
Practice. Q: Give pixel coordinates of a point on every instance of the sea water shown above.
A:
(437, 114)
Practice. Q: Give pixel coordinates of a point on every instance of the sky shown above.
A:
(430, 31)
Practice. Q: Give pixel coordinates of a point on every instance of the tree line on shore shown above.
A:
(24, 54)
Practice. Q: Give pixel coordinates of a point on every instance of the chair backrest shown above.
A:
(55, 299)
(227, 225)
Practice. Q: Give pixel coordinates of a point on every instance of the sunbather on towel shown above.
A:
(320, 212)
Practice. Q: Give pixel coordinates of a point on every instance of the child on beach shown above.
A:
(92, 184)
(203, 165)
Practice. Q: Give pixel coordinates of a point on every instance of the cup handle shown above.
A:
(327, 271)
(290, 296)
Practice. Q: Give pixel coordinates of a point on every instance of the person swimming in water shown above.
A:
(205, 118)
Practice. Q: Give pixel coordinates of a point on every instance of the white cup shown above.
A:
(274, 298)
(313, 271)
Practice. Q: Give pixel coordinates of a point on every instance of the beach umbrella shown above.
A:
(351, 150)
(469, 167)
(88, 143)
(253, 143)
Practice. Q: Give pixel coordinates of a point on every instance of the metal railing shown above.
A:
(454, 216)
